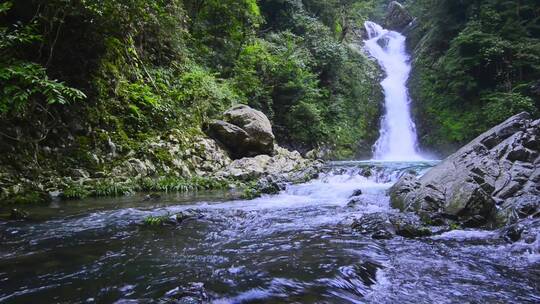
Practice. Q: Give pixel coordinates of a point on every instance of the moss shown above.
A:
(455, 226)
(156, 221)
(250, 193)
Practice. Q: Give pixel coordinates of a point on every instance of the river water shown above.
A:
(294, 247)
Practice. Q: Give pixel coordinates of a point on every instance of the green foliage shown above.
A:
(303, 76)
(155, 221)
(144, 68)
(75, 191)
(477, 64)
(176, 184)
(26, 83)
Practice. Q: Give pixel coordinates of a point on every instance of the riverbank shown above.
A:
(231, 157)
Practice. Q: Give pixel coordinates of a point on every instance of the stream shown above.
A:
(293, 247)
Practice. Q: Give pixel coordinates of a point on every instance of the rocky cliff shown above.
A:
(493, 180)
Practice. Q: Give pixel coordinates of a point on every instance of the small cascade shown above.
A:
(398, 140)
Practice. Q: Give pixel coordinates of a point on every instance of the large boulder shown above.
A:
(397, 17)
(244, 131)
(491, 181)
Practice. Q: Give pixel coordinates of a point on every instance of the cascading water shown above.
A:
(397, 141)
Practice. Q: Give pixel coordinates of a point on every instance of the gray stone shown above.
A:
(386, 225)
(246, 132)
(491, 181)
(397, 17)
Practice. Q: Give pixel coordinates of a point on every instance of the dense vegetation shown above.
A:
(78, 75)
(476, 63)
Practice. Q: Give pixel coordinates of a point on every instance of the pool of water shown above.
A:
(293, 247)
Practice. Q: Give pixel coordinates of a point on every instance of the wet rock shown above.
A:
(527, 231)
(246, 132)
(397, 17)
(357, 192)
(357, 201)
(386, 225)
(182, 217)
(270, 185)
(152, 197)
(489, 182)
(194, 293)
(376, 225)
(18, 215)
(408, 225)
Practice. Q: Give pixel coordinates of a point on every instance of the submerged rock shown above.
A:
(489, 182)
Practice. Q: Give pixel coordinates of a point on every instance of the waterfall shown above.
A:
(398, 140)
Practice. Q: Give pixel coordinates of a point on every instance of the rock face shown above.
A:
(397, 17)
(491, 181)
(245, 132)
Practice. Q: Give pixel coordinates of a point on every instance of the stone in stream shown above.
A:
(357, 192)
(527, 230)
(18, 215)
(381, 225)
(492, 181)
(189, 214)
(193, 293)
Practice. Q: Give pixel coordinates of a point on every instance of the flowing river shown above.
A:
(294, 247)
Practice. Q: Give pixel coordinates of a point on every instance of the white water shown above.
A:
(397, 141)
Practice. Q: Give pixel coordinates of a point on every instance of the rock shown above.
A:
(357, 192)
(397, 17)
(386, 225)
(284, 166)
(152, 197)
(135, 167)
(80, 173)
(357, 201)
(193, 293)
(186, 215)
(489, 182)
(233, 137)
(245, 132)
(255, 123)
(18, 215)
(408, 225)
(377, 225)
(527, 230)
